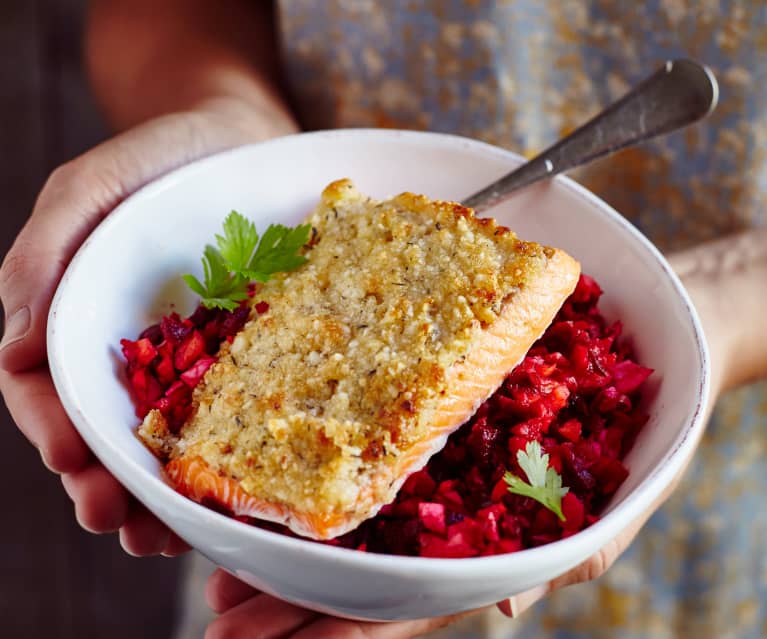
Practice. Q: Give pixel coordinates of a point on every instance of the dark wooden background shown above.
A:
(55, 579)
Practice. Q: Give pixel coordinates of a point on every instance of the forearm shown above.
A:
(727, 281)
(149, 58)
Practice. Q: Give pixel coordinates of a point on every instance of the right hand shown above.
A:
(76, 197)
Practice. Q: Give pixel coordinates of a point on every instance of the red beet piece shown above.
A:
(153, 334)
(193, 375)
(189, 350)
(432, 516)
(570, 430)
(419, 483)
(628, 376)
(138, 353)
(174, 329)
(574, 512)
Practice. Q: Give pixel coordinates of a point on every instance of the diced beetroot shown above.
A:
(512, 525)
(153, 334)
(489, 518)
(610, 473)
(610, 400)
(193, 375)
(165, 370)
(138, 353)
(500, 490)
(174, 329)
(575, 471)
(431, 545)
(419, 483)
(573, 510)
(508, 545)
(146, 389)
(587, 291)
(515, 445)
(465, 538)
(570, 430)
(163, 405)
(555, 460)
(558, 397)
(145, 385)
(448, 495)
(233, 321)
(628, 376)
(579, 356)
(482, 442)
(175, 388)
(545, 523)
(189, 350)
(202, 316)
(532, 429)
(402, 536)
(432, 516)
(407, 509)
(611, 441)
(575, 392)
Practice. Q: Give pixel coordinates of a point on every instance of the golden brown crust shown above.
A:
(408, 314)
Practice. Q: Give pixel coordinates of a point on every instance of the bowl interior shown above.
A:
(127, 273)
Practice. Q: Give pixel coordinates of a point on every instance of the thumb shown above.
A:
(74, 200)
(34, 264)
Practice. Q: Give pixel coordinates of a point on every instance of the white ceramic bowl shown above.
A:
(127, 273)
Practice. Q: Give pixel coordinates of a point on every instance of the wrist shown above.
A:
(256, 121)
(726, 280)
(148, 59)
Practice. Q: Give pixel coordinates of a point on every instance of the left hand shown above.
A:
(75, 199)
(724, 279)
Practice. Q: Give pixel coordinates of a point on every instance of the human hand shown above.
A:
(246, 612)
(732, 271)
(75, 198)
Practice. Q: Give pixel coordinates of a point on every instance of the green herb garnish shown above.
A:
(240, 258)
(543, 483)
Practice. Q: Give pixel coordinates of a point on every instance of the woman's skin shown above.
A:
(183, 79)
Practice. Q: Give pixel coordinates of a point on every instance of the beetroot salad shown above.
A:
(536, 463)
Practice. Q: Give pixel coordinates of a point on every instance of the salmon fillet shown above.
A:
(408, 314)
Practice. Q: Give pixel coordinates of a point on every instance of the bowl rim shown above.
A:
(136, 479)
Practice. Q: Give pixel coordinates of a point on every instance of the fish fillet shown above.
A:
(408, 314)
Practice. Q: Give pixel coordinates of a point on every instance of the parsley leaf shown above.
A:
(241, 258)
(238, 242)
(278, 251)
(543, 484)
(222, 289)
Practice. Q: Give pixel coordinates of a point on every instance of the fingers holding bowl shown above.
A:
(224, 591)
(263, 616)
(142, 534)
(35, 407)
(101, 503)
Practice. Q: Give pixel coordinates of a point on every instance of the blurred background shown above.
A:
(57, 580)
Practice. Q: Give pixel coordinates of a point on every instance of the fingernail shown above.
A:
(16, 327)
(524, 600)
